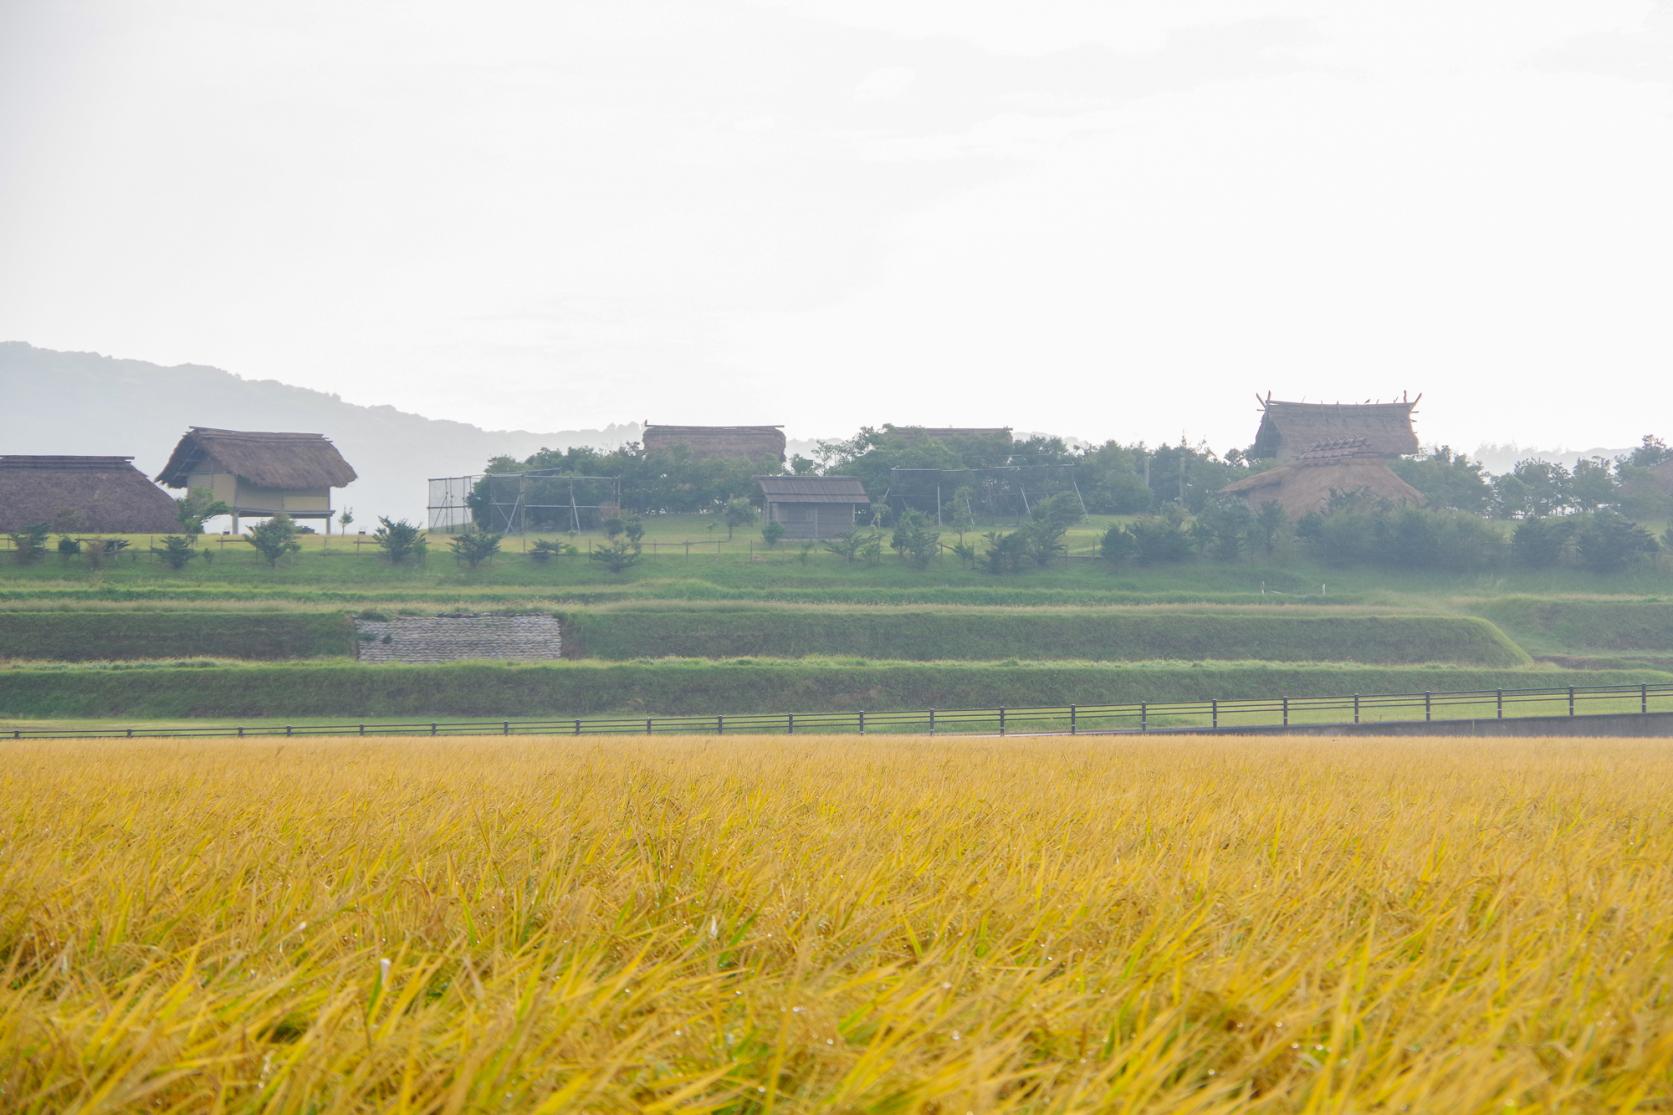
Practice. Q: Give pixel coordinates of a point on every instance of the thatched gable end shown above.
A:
(103, 495)
(292, 462)
(1289, 430)
(750, 443)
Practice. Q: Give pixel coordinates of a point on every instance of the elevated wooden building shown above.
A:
(745, 443)
(98, 495)
(260, 474)
(1324, 450)
(813, 506)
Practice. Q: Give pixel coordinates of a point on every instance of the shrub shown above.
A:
(29, 544)
(1118, 546)
(618, 554)
(1159, 540)
(772, 534)
(475, 547)
(913, 539)
(177, 551)
(399, 540)
(852, 545)
(274, 539)
(546, 549)
(68, 547)
(1540, 543)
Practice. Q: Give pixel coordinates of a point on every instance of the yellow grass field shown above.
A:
(842, 924)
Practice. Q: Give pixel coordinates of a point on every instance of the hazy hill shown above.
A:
(81, 402)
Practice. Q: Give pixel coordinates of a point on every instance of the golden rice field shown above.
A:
(839, 924)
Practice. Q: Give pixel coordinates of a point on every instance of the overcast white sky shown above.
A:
(1096, 218)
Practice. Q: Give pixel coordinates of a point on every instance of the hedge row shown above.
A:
(90, 636)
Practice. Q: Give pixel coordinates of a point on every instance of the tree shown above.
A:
(473, 547)
(1650, 452)
(346, 519)
(1224, 528)
(1545, 486)
(1592, 484)
(913, 539)
(772, 534)
(1006, 552)
(1447, 479)
(177, 551)
(545, 549)
(29, 544)
(1270, 521)
(399, 540)
(1609, 542)
(196, 507)
(738, 512)
(274, 539)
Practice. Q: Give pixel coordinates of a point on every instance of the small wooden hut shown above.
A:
(745, 443)
(259, 474)
(1290, 430)
(99, 495)
(1308, 482)
(813, 506)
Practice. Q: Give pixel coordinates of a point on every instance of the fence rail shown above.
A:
(1139, 717)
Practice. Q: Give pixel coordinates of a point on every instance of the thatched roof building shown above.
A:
(748, 443)
(1307, 483)
(952, 434)
(259, 473)
(1290, 430)
(813, 506)
(103, 495)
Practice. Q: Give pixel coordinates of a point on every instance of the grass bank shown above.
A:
(929, 634)
(675, 686)
(103, 635)
(1578, 626)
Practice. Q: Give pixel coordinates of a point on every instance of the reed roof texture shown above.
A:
(1308, 485)
(105, 495)
(813, 489)
(266, 460)
(1290, 430)
(718, 442)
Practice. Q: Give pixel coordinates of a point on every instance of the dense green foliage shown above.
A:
(927, 634)
(274, 539)
(685, 686)
(192, 633)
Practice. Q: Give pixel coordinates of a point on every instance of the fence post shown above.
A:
(505, 728)
(932, 722)
(1144, 716)
(1571, 700)
(1074, 720)
(789, 723)
(1644, 698)
(647, 725)
(862, 722)
(362, 730)
(720, 725)
(432, 728)
(577, 727)
(1214, 714)
(1499, 704)
(1286, 712)
(1428, 707)
(1356, 708)
(1001, 719)
(241, 732)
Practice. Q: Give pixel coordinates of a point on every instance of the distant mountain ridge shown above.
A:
(86, 403)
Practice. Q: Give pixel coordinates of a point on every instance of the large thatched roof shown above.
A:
(267, 460)
(105, 495)
(1307, 485)
(1289, 430)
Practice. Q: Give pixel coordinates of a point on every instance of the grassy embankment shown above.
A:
(1460, 926)
(673, 686)
(780, 631)
(1592, 631)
